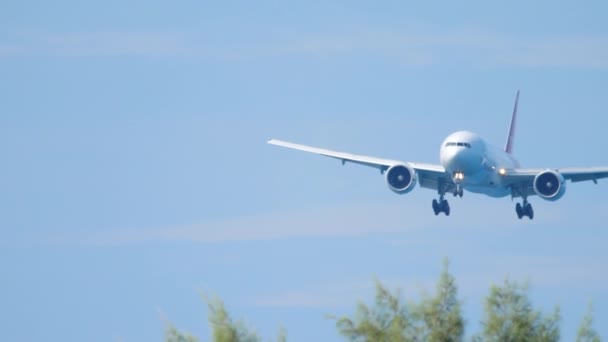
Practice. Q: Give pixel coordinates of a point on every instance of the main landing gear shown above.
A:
(441, 206)
(524, 210)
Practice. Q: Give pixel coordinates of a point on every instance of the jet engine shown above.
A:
(401, 178)
(550, 185)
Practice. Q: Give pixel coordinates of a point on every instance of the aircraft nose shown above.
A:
(462, 160)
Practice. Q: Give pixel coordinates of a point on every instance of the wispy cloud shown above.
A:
(473, 47)
(486, 49)
(569, 51)
(305, 299)
(543, 272)
(330, 222)
(99, 44)
(347, 221)
(342, 294)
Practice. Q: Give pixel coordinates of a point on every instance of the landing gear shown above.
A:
(441, 206)
(524, 210)
(458, 191)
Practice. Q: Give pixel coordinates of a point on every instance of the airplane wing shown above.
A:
(429, 175)
(521, 179)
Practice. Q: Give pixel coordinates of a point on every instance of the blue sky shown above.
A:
(135, 172)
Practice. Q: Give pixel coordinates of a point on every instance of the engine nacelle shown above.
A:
(401, 178)
(550, 185)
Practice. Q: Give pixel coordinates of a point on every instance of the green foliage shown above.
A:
(387, 321)
(436, 318)
(282, 337)
(174, 335)
(440, 316)
(509, 316)
(586, 333)
(223, 328)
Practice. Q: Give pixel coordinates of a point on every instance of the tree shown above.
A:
(388, 321)
(223, 328)
(586, 333)
(282, 337)
(174, 335)
(436, 318)
(441, 315)
(509, 316)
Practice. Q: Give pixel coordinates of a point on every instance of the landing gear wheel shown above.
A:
(529, 211)
(519, 210)
(441, 206)
(445, 206)
(524, 210)
(436, 208)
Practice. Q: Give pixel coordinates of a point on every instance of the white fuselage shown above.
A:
(474, 164)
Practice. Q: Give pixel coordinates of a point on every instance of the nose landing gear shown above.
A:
(524, 210)
(457, 178)
(458, 191)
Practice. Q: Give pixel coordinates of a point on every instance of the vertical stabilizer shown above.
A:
(511, 137)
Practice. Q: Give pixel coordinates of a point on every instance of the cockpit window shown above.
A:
(463, 144)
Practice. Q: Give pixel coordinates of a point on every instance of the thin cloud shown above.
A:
(348, 221)
(334, 222)
(465, 47)
(302, 299)
(477, 48)
(543, 272)
(100, 44)
(115, 44)
(341, 294)
(572, 51)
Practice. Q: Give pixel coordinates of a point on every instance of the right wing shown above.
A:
(429, 175)
(521, 180)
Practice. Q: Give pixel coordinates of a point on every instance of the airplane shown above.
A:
(469, 163)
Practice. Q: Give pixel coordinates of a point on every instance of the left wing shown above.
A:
(429, 175)
(378, 163)
(521, 179)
